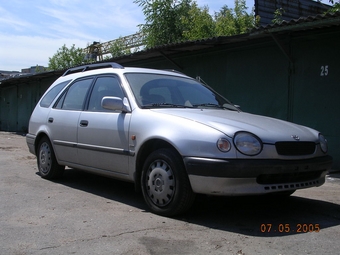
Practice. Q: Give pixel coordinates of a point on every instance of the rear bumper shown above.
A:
(245, 177)
(30, 140)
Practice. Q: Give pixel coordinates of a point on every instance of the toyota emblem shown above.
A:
(297, 138)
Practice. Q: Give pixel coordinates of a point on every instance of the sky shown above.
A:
(33, 31)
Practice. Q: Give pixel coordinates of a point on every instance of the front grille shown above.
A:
(295, 148)
(288, 177)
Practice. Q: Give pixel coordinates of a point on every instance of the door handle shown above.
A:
(50, 120)
(84, 123)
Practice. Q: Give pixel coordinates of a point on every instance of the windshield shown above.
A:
(156, 91)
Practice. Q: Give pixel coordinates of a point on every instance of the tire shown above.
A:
(165, 183)
(47, 164)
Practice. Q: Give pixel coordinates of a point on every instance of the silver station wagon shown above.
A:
(170, 135)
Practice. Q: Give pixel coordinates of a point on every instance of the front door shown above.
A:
(102, 134)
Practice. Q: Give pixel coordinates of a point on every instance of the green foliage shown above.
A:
(278, 16)
(163, 20)
(197, 24)
(118, 48)
(334, 8)
(66, 58)
(171, 21)
(233, 21)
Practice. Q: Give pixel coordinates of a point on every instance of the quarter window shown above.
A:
(50, 95)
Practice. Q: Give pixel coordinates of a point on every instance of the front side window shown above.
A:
(104, 86)
(75, 96)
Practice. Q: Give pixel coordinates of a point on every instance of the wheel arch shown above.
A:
(38, 139)
(145, 150)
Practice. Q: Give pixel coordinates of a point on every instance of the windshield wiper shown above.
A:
(165, 105)
(225, 106)
(209, 105)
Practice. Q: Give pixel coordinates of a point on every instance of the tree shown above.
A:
(243, 20)
(278, 16)
(163, 20)
(233, 21)
(198, 23)
(118, 48)
(171, 21)
(66, 58)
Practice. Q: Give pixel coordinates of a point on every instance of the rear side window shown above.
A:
(50, 96)
(75, 96)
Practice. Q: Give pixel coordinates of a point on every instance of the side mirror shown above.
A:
(115, 104)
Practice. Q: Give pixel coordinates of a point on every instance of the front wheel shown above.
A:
(47, 163)
(165, 184)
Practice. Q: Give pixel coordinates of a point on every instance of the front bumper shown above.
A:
(249, 177)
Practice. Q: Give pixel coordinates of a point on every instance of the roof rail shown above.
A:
(92, 67)
(174, 71)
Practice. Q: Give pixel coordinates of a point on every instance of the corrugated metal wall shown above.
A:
(293, 9)
(9, 108)
(18, 101)
(316, 86)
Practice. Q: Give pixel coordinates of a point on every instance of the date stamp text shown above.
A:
(289, 228)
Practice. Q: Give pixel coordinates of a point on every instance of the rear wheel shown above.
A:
(165, 184)
(47, 163)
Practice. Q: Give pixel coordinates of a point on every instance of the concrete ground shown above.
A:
(88, 214)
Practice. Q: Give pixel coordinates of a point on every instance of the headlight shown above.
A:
(223, 145)
(323, 143)
(247, 143)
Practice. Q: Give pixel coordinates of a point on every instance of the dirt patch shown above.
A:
(15, 144)
(12, 140)
(8, 148)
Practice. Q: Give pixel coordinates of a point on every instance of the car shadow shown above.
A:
(264, 216)
(251, 215)
(111, 189)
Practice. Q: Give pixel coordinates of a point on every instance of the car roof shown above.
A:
(111, 67)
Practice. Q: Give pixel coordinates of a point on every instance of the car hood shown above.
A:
(229, 122)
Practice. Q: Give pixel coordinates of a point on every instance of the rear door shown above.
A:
(102, 134)
(63, 120)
